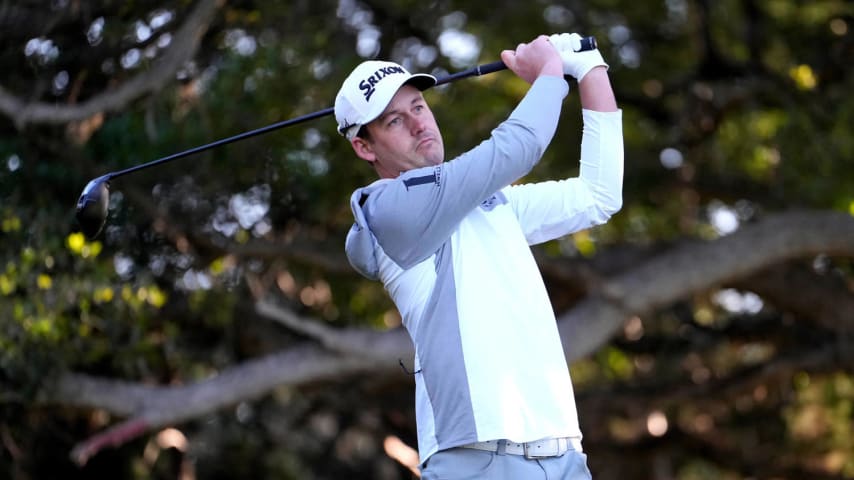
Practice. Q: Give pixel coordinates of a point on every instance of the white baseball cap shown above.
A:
(367, 91)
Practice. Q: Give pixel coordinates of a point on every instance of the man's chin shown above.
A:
(433, 160)
(432, 155)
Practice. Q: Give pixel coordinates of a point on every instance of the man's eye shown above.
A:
(394, 121)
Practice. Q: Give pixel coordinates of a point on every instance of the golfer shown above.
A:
(450, 242)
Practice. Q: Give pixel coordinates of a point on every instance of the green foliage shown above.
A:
(820, 417)
(753, 97)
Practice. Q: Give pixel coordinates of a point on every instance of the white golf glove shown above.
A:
(576, 63)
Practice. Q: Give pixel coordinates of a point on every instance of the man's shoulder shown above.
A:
(416, 177)
(375, 185)
(361, 194)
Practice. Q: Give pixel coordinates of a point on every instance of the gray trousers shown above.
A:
(469, 464)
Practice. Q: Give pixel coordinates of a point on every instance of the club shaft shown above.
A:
(225, 141)
(587, 43)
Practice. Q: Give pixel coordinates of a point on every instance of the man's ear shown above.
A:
(363, 149)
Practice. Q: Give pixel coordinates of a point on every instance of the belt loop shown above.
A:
(502, 447)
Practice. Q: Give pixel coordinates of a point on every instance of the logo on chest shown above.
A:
(493, 201)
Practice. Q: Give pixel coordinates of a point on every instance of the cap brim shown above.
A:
(421, 81)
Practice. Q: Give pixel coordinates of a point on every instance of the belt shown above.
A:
(547, 447)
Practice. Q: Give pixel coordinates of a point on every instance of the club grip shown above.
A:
(588, 43)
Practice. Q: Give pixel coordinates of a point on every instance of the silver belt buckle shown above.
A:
(551, 452)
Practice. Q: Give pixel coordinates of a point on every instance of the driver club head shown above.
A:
(93, 205)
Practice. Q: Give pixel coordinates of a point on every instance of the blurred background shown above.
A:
(215, 330)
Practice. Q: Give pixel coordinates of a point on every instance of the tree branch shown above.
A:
(153, 407)
(184, 45)
(699, 266)
(353, 341)
(584, 329)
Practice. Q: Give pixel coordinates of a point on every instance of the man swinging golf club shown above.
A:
(450, 241)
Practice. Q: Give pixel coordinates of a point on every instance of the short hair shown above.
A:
(363, 133)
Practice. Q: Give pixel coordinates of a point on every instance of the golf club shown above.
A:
(93, 204)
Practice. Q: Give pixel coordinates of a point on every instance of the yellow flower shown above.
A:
(44, 281)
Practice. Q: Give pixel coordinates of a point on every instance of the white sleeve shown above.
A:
(549, 210)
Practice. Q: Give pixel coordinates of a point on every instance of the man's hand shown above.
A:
(575, 63)
(531, 60)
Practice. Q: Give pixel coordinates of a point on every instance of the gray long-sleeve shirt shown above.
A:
(451, 245)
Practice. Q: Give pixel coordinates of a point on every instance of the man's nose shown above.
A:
(417, 125)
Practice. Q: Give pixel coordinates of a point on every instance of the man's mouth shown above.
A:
(423, 142)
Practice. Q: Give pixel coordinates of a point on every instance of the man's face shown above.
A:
(404, 137)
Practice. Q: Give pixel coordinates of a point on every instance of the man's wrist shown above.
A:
(596, 92)
(552, 69)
